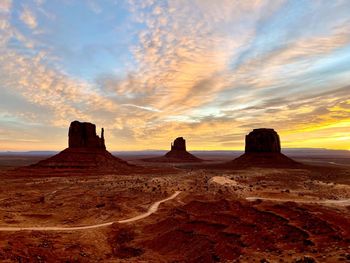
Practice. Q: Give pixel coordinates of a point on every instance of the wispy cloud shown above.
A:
(94, 6)
(28, 17)
(5, 6)
(142, 107)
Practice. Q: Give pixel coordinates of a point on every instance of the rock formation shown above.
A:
(85, 150)
(262, 149)
(179, 144)
(177, 154)
(262, 140)
(83, 135)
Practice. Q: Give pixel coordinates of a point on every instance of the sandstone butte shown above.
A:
(263, 149)
(85, 150)
(177, 154)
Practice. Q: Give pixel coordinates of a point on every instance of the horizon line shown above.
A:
(203, 150)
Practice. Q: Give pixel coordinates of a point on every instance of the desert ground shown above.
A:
(179, 213)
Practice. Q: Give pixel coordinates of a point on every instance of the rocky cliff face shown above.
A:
(83, 135)
(262, 140)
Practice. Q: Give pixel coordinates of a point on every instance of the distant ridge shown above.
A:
(29, 153)
(294, 152)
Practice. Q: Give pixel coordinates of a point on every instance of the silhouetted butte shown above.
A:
(85, 150)
(263, 149)
(262, 140)
(177, 154)
(83, 135)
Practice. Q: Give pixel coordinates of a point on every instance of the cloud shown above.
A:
(185, 69)
(67, 97)
(28, 17)
(141, 107)
(40, 2)
(94, 6)
(5, 6)
(207, 70)
(5, 26)
(178, 56)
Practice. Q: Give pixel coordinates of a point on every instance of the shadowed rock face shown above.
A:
(83, 135)
(262, 140)
(179, 144)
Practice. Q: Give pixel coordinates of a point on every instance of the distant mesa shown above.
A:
(85, 150)
(263, 149)
(177, 154)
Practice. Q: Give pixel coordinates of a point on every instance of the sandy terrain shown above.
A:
(248, 215)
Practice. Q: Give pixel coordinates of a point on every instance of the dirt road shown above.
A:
(152, 209)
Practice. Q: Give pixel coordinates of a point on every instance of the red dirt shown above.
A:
(212, 231)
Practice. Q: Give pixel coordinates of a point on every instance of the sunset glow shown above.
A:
(149, 71)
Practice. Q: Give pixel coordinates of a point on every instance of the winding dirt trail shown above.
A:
(152, 209)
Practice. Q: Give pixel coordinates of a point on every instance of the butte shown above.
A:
(263, 149)
(177, 154)
(86, 150)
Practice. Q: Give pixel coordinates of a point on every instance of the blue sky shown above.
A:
(148, 71)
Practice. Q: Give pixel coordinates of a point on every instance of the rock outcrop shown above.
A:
(179, 144)
(262, 140)
(177, 154)
(83, 135)
(86, 150)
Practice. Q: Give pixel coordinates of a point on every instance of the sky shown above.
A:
(149, 71)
